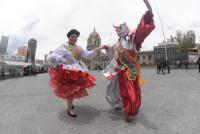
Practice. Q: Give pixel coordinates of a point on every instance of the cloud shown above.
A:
(171, 27)
(195, 25)
(48, 21)
(30, 26)
(21, 38)
(14, 42)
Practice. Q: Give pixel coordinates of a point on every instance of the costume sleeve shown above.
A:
(144, 28)
(87, 54)
(57, 56)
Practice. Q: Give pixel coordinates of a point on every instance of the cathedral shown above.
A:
(102, 60)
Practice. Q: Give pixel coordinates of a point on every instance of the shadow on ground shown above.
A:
(115, 115)
(141, 118)
(86, 115)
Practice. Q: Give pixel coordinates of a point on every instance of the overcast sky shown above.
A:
(49, 20)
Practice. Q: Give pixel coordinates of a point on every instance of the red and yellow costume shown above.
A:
(125, 65)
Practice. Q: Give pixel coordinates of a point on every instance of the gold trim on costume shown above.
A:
(75, 50)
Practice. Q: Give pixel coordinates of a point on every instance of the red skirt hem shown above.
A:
(70, 83)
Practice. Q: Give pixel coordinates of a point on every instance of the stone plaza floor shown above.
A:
(170, 105)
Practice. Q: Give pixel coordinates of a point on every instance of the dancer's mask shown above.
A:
(122, 30)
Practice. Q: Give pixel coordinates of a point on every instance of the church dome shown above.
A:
(94, 34)
(93, 41)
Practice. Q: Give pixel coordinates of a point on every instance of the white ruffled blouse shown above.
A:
(62, 54)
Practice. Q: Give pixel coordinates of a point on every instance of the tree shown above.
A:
(186, 40)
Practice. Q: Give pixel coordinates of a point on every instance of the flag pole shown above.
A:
(163, 31)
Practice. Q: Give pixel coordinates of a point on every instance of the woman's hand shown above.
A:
(104, 47)
(98, 49)
(82, 63)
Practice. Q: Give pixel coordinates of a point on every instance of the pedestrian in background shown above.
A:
(198, 63)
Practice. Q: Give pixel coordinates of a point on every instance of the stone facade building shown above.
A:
(22, 51)
(102, 60)
(146, 57)
(172, 48)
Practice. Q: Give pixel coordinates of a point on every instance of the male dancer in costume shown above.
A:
(123, 70)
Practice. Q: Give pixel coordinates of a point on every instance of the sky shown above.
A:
(48, 21)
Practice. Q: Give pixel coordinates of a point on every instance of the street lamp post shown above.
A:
(166, 57)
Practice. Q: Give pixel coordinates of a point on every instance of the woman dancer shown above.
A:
(70, 78)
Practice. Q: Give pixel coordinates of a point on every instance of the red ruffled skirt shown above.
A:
(70, 83)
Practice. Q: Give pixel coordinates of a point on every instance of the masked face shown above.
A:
(122, 30)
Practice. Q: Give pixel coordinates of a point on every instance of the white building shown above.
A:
(16, 58)
(146, 58)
